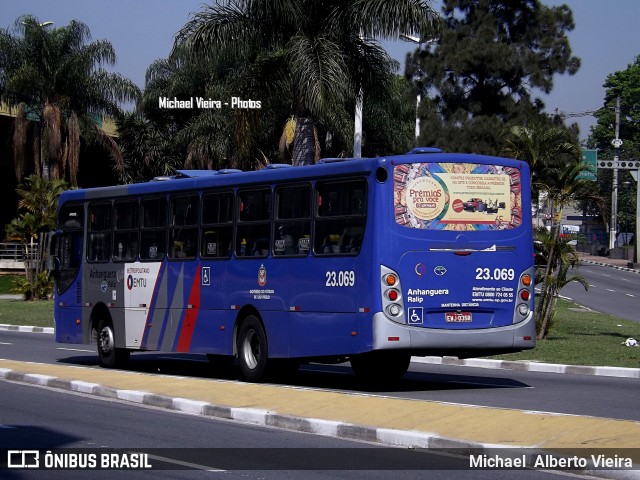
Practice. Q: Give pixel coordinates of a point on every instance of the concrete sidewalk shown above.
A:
(617, 263)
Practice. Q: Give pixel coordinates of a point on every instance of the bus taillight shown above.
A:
(525, 295)
(390, 280)
(392, 304)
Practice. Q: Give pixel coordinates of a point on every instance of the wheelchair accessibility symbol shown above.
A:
(415, 315)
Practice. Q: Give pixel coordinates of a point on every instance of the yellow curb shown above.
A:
(486, 425)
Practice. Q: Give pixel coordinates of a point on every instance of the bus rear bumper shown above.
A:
(389, 335)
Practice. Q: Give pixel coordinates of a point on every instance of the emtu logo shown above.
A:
(262, 275)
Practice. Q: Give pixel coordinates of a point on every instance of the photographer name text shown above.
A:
(207, 103)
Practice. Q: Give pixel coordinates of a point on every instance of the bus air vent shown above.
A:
(195, 173)
(272, 166)
(424, 150)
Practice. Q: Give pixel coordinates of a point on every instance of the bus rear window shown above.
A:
(457, 196)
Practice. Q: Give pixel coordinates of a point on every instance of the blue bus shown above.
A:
(370, 261)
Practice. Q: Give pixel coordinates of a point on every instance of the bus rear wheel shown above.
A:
(252, 349)
(381, 366)
(108, 355)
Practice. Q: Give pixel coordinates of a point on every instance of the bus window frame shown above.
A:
(115, 231)
(106, 234)
(239, 223)
(293, 220)
(337, 243)
(219, 225)
(173, 247)
(144, 229)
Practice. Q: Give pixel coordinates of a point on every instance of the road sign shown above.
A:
(620, 164)
(589, 158)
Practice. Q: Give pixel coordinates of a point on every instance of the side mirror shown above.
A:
(53, 262)
(53, 265)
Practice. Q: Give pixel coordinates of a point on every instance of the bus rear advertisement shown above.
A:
(367, 260)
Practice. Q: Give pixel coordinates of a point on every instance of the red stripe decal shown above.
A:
(190, 315)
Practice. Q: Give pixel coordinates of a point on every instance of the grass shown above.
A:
(6, 283)
(19, 312)
(582, 337)
(578, 337)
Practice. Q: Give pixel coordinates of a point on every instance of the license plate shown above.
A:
(458, 317)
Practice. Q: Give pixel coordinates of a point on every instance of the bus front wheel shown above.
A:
(381, 365)
(108, 355)
(252, 349)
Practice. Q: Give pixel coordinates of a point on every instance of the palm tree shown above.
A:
(542, 146)
(562, 259)
(555, 160)
(56, 82)
(318, 55)
(37, 216)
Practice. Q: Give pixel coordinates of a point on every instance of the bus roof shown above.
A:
(198, 179)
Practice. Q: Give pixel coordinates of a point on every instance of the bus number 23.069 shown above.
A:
(340, 279)
(495, 274)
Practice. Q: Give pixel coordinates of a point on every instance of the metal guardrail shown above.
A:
(13, 256)
(13, 252)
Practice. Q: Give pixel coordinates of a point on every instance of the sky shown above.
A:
(606, 38)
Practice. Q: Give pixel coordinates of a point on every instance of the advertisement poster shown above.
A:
(457, 196)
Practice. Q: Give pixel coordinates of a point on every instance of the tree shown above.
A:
(555, 159)
(543, 147)
(562, 188)
(57, 83)
(623, 84)
(316, 55)
(481, 76)
(37, 210)
(561, 260)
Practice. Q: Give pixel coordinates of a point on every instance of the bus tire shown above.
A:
(381, 366)
(252, 349)
(108, 355)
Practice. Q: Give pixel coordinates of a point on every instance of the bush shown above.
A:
(40, 289)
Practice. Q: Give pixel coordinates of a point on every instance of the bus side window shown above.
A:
(253, 234)
(350, 240)
(153, 235)
(341, 217)
(293, 221)
(99, 241)
(217, 225)
(125, 234)
(183, 231)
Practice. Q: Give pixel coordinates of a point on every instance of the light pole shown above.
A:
(419, 41)
(627, 186)
(357, 127)
(617, 143)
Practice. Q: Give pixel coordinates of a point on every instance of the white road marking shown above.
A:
(185, 464)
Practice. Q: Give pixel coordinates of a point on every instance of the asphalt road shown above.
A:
(608, 397)
(39, 418)
(612, 291)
